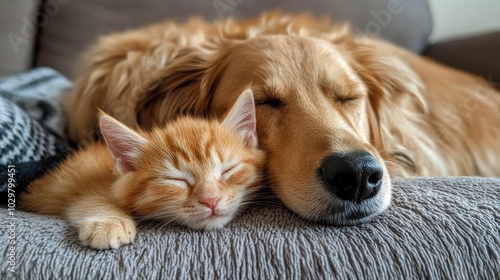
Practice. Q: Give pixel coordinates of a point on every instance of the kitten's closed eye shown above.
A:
(179, 182)
(228, 172)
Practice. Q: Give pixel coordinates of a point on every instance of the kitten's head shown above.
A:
(192, 171)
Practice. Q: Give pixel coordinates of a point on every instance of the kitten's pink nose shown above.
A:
(210, 202)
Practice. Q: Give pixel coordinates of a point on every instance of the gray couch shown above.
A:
(446, 228)
(442, 228)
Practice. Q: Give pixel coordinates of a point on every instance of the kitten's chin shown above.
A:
(210, 222)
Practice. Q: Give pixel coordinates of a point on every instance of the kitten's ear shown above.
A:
(124, 144)
(241, 119)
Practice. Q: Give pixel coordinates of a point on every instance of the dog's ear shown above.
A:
(387, 77)
(396, 99)
(183, 87)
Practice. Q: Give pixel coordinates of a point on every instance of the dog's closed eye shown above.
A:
(345, 99)
(272, 102)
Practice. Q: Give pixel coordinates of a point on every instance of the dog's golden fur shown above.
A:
(319, 90)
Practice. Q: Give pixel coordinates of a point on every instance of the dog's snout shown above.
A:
(353, 176)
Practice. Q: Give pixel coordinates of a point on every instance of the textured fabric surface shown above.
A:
(73, 25)
(31, 123)
(438, 228)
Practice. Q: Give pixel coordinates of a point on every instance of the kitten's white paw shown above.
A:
(109, 233)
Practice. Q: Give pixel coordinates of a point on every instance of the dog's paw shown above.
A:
(108, 233)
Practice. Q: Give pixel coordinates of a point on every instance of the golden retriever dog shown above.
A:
(338, 115)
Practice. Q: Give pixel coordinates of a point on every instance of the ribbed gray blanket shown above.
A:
(437, 228)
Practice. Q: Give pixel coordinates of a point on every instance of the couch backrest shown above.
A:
(69, 26)
(17, 35)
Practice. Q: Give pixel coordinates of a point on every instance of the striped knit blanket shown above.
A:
(31, 124)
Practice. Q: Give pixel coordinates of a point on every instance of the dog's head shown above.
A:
(318, 115)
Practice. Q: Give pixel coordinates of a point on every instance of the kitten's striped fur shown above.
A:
(192, 171)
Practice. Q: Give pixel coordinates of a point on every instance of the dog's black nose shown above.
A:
(352, 176)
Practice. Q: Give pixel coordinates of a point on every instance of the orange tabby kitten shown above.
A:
(195, 172)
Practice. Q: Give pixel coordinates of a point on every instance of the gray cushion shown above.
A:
(17, 35)
(436, 228)
(78, 23)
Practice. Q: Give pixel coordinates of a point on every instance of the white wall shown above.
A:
(457, 18)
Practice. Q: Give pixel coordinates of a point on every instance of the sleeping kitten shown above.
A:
(194, 172)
